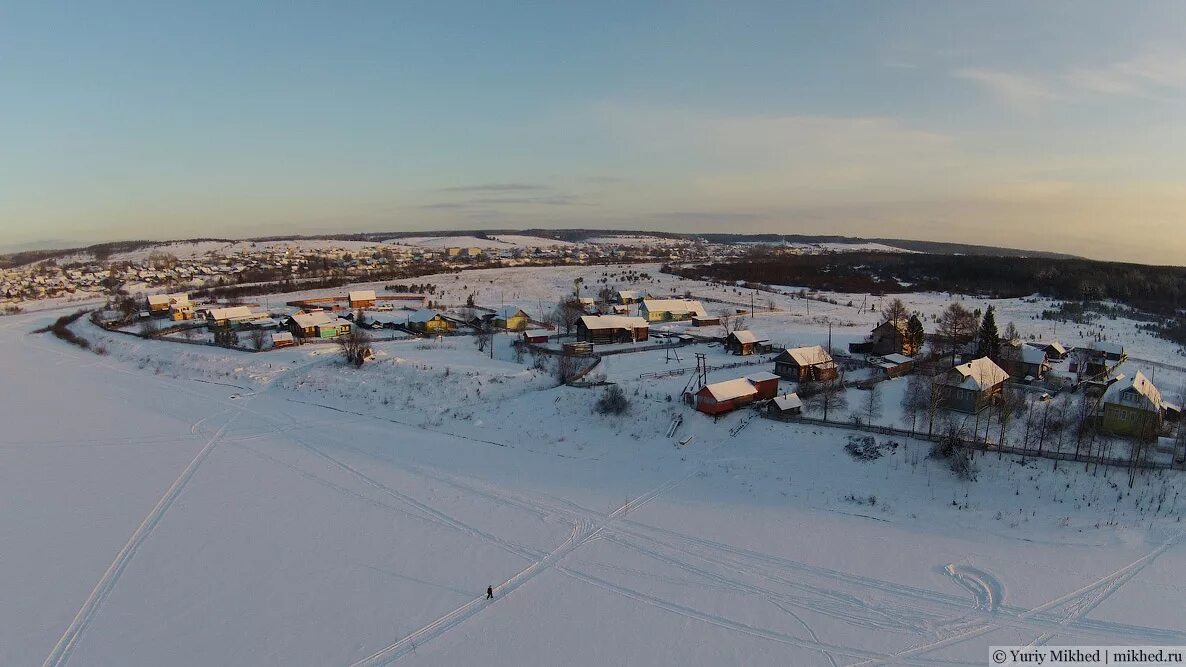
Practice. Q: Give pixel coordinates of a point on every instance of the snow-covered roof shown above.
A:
(897, 359)
(536, 333)
(282, 337)
(788, 401)
(747, 336)
(180, 298)
(1108, 347)
(1150, 395)
(762, 376)
(730, 389)
(230, 313)
(507, 312)
(424, 315)
(1032, 355)
(264, 322)
(628, 294)
(316, 318)
(362, 295)
(613, 322)
(674, 306)
(810, 355)
(980, 374)
(1057, 347)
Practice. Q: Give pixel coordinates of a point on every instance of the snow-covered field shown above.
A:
(186, 505)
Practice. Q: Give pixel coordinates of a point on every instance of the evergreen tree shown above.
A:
(915, 334)
(988, 342)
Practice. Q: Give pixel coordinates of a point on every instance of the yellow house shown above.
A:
(511, 319)
(427, 320)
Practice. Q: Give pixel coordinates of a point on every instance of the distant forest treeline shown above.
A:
(1154, 289)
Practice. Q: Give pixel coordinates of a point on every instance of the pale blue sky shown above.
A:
(1053, 125)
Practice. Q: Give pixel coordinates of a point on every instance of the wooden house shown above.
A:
(806, 364)
(229, 316)
(159, 304)
(744, 342)
(628, 296)
(612, 329)
(721, 397)
(536, 336)
(1102, 357)
(429, 321)
(1034, 363)
(670, 310)
(1055, 351)
(707, 321)
(891, 337)
(1133, 407)
(970, 387)
(317, 324)
(362, 299)
(511, 318)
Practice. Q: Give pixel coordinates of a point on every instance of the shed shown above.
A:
(786, 405)
(362, 298)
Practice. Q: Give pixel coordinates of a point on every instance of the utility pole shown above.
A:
(751, 303)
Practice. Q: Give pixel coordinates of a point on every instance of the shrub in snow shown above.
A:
(613, 401)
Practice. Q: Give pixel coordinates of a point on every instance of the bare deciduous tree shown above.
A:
(872, 406)
(355, 346)
(257, 337)
(829, 395)
(895, 311)
(567, 313)
(957, 325)
(566, 368)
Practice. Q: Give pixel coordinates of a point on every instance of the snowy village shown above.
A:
(602, 424)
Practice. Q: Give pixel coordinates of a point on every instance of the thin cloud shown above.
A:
(498, 187)
(476, 202)
(1145, 75)
(1017, 91)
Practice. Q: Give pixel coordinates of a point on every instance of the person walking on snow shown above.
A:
(489, 592)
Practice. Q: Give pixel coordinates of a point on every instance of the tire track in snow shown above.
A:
(69, 640)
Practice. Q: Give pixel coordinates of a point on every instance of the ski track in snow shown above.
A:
(582, 534)
(69, 640)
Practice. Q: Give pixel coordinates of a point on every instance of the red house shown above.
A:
(721, 397)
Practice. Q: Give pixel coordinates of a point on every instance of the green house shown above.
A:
(1132, 407)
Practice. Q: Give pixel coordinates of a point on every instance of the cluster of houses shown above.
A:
(1126, 406)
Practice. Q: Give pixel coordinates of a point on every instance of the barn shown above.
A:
(362, 298)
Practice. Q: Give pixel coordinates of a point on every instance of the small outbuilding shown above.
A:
(893, 365)
(785, 406)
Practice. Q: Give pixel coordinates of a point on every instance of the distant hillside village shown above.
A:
(214, 266)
